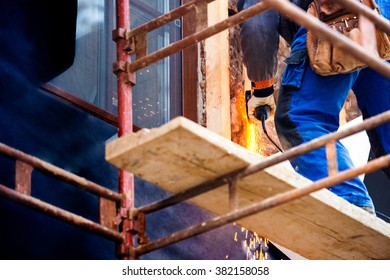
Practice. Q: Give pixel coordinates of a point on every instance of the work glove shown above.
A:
(255, 102)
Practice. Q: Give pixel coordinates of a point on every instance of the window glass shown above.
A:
(86, 78)
(157, 94)
(156, 97)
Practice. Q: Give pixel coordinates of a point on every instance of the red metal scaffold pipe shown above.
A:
(125, 119)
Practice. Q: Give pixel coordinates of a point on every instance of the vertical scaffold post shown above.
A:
(125, 118)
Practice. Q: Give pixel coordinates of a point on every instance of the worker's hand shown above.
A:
(255, 102)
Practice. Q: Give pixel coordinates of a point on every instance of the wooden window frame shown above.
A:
(189, 63)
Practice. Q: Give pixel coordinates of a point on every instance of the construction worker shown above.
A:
(309, 107)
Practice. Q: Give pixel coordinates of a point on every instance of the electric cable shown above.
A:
(262, 113)
(263, 119)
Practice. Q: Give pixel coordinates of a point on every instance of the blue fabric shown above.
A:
(384, 6)
(297, 64)
(299, 41)
(314, 110)
(372, 93)
(313, 103)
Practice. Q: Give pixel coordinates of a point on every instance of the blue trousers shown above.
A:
(309, 107)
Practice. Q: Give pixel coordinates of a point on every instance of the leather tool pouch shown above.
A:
(327, 59)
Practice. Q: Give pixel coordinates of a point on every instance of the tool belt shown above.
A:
(327, 59)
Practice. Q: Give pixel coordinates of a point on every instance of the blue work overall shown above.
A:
(309, 107)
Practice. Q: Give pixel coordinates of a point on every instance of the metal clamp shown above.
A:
(124, 66)
(128, 40)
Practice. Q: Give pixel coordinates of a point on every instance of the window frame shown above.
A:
(189, 82)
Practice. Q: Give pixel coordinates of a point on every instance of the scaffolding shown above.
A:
(120, 221)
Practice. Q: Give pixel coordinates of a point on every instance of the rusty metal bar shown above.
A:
(309, 22)
(141, 46)
(59, 213)
(358, 8)
(142, 234)
(267, 203)
(233, 196)
(107, 213)
(59, 173)
(197, 37)
(23, 177)
(125, 121)
(166, 18)
(331, 157)
(270, 161)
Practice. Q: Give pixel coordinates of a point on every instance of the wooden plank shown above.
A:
(216, 73)
(181, 154)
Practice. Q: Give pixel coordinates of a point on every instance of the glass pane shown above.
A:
(86, 78)
(157, 94)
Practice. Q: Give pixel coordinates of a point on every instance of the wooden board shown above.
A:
(182, 154)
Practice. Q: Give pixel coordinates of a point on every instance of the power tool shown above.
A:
(261, 113)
